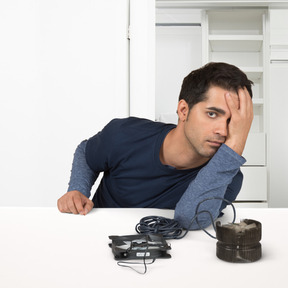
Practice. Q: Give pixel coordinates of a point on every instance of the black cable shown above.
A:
(127, 264)
(171, 229)
(211, 217)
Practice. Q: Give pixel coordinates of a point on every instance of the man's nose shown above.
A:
(222, 129)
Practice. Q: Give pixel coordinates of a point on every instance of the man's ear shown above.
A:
(182, 110)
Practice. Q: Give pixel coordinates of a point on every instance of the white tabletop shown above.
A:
(41, 247)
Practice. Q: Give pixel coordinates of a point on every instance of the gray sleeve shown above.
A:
(82, 177)
(220, 178)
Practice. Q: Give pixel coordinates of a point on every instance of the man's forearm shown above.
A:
(212, 181)
(82, 177)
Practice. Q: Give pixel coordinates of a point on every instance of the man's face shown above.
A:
(206, 126)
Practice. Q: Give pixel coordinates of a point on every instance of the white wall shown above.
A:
(63, 76)
(142, 58)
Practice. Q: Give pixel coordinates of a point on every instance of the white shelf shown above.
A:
(258, 101)
(236, 43)
(255, 72)
(232, 21)
(235, 37)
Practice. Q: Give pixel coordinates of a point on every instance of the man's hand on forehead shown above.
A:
(241, 108)
(235, 98)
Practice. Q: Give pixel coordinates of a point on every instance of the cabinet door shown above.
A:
(178, 52)
(278, 157)
(255, 149)
(254, 187)
(63, 76)
(278, 34)
(278, 27)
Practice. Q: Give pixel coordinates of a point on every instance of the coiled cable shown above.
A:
(171, 229)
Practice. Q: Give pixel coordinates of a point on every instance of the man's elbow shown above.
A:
(201, 220)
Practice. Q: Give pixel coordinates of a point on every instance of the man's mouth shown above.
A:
(215, 143)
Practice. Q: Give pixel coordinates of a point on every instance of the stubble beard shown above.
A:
(204, 152)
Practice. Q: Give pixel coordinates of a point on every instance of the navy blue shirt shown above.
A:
(127, 150)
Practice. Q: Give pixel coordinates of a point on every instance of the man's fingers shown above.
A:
(241, 108)
(246, 108)
(232, 101)
(75, 202)
(88, 206)
(72, 206)
(240, 102)
(62, 204)
(78, 204)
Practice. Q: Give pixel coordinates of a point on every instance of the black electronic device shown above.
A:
(239, 242)
(139, 247)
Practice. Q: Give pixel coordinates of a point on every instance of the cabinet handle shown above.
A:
(279, 61)
(178, 24)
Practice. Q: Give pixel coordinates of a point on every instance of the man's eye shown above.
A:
(212, 114)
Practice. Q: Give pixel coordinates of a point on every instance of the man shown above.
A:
(152, 164)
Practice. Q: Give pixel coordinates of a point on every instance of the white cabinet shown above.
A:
(278, 157)
(178, 52)
(278, 34)
(255, 149)
(278, 136)
(254, 187)
(238, 36)
(278, 27)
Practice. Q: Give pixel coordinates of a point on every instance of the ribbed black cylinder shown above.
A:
(239, 242)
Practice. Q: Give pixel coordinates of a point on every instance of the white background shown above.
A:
(63, 76)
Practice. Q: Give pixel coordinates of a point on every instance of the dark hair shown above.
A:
(223, 75)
